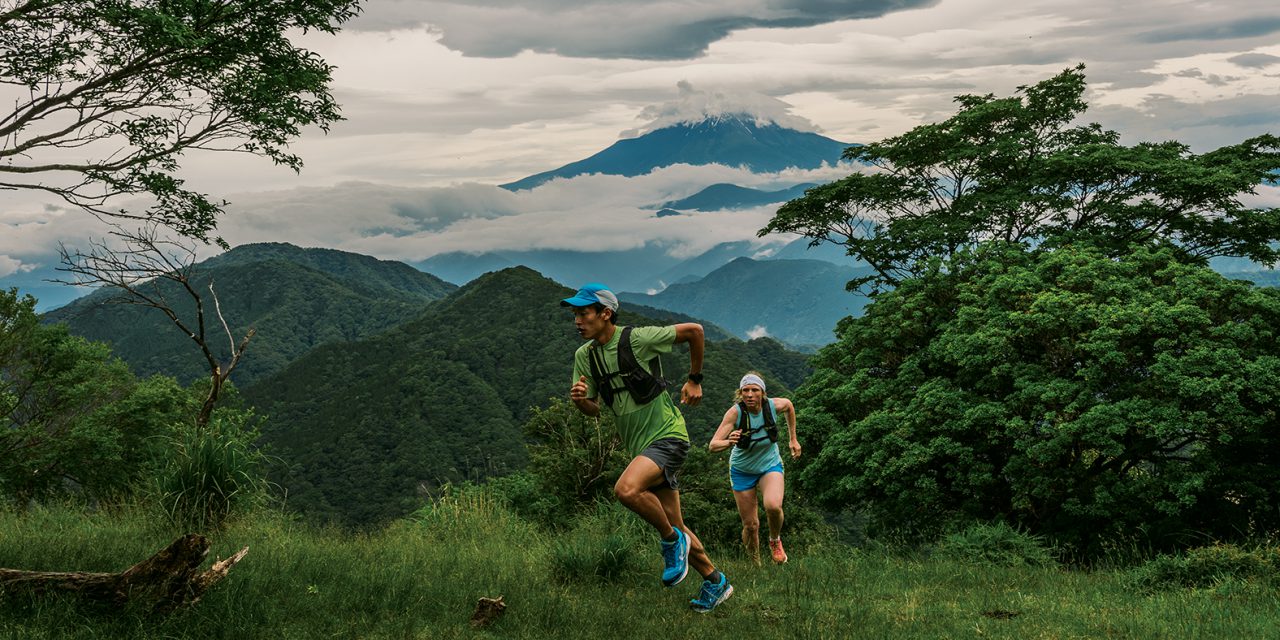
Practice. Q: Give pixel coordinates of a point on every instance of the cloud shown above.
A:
(758, 331)
(419, 113)
(670, 30)
(694, 106)
(435, 116)
(1254, 60)
(31, 234)
(1240, 28)
(10, 265)
(1203, 126)
(586, 212)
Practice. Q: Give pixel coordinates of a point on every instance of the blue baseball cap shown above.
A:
(590, 294)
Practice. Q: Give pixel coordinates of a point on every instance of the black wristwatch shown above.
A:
(695, 378)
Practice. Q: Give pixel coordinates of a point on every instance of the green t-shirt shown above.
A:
(639, 425)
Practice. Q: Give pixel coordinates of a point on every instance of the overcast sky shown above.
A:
(443, 100)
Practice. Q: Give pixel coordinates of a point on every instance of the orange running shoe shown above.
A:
(775, 548)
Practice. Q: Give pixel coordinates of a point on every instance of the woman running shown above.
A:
(750, 428)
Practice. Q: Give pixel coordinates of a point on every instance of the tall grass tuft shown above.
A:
(605, 545)
(212, 472)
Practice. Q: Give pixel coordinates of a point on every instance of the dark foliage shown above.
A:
(75, 420)
(1078, 396)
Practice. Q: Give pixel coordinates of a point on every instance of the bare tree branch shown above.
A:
(142, 265)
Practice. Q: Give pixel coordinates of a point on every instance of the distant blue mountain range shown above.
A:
(795, 301)
(735, 141)
(719, 197)
(641, 269)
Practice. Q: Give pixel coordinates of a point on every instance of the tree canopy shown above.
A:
(72, 417)
(1066, 392)
(108, 95)
(1017, 169)
(1048, 346)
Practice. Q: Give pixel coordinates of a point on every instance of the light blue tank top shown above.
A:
(762, 455)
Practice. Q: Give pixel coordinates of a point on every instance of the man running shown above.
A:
(652, 428)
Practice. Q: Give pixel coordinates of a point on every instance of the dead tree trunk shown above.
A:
(167, 580)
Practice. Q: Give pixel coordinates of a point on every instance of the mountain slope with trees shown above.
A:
(370, 427)
(294, 298)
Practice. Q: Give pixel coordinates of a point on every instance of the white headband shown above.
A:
(751, 378)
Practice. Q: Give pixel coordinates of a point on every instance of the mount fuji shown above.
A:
(734, 140)
(740, 141)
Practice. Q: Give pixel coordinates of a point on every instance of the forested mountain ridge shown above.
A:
(358, 270)
(366, 427)
(294, 298)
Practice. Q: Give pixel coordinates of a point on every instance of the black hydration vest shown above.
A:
(642, 385)
(770, 427)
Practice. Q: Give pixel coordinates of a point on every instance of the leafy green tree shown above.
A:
(574, 455)
(1047, 346)
(1067, 391)
(1016, 169)
(75, 418)
(132, 85)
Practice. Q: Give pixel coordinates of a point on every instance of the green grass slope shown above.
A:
(421, 578)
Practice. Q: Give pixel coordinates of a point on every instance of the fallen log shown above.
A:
(165, 581)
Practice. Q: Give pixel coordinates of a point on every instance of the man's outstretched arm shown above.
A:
(691, 332)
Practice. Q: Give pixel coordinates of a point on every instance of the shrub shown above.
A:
(526, 496)
(996, 544)
(1208, 567)
(575, 457)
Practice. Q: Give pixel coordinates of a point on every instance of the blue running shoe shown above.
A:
(712, 594)
(675, 555)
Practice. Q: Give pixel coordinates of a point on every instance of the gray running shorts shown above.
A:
(669, 455)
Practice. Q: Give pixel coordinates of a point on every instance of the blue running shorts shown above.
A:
(742, 481)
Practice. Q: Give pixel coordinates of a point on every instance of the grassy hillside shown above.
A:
(295, 298)
(421, 578)
(367, 428)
